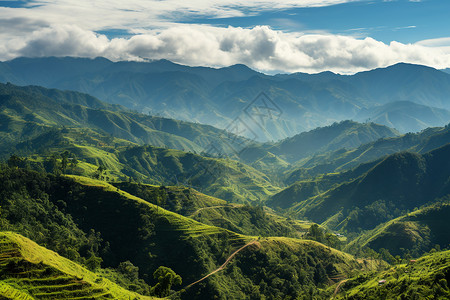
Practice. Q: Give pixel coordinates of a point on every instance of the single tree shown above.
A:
(166, 278)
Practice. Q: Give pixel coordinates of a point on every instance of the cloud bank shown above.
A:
(67, 28)
(260, 47)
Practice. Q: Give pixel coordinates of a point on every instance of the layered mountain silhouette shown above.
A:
(227, 97)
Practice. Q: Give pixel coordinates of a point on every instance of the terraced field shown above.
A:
(29, 271)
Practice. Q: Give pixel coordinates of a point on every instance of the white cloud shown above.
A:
(260, 47)
(439, 42)
(41, 29)
(134, 14)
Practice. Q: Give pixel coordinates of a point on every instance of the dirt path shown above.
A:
(225, 263)
(210, 207)
(338, 287)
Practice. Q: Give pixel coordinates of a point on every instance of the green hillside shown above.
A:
(29, 271)
(424, 278)
(244, 219)
(123, 160)
(399, 183)
(345, 159)
(314, 185)
(25, 111)
(90, 221)
(346, 134)
(406, 116)
(223, 178)
(414, 233)
(216, 96)
(98, 201)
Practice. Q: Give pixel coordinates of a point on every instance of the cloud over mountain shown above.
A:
(259, 47)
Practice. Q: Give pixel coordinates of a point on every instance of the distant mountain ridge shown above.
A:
(406, 116)
(346, 134)
(221, 96)
(321, 172)
(345, 159)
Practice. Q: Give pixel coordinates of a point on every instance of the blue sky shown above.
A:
(402, 20)
(343, 36)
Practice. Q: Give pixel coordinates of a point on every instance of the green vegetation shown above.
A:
(216, 96)
(166, 278)
(396, 185)
(346, 159)
(276, 267)
(411, 234)
(27, 111)
(346, 134)
(424, 278)
(29, 271)
(244, 219)
(106, 218)
(82, 152)
(129, 206)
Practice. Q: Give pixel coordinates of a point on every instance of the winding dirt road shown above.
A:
(338, 287)
(223, 266)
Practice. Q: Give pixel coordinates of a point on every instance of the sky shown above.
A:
(343, 36)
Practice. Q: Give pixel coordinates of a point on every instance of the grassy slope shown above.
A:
(306, 183)
(25, 107)
(29, 271)
(223, 178)
(418, 231)
(209, 210)
(211, 245)
(427, 278)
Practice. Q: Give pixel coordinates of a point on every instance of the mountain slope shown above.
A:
(121, 160)
(400, 182)
(423, 278)
(404, 82)
(345, 159)
(223, 178)
(318, 173)
(159, 237)
(23, 108)
(346, 134)
(29, 271)
(416, 232)
(406, 116)
(312, 186)
(243, 219)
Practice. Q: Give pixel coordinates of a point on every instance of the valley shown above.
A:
(145, 189)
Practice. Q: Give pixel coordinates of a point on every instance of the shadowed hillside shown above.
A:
(399, 183)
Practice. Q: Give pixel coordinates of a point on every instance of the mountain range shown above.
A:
(255, 105)
(101, 200)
